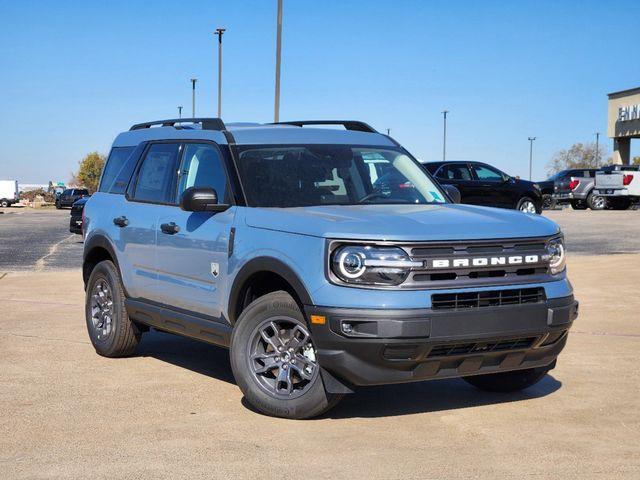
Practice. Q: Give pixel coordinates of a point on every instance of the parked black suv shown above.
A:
(482, 184)
(69, 197)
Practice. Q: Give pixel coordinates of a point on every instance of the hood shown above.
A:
(402, 222)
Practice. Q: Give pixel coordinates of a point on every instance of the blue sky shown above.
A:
(74, 74)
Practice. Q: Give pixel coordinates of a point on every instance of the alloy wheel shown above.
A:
(282, 357)
(102, 309)
(528, 207)
(598, 203)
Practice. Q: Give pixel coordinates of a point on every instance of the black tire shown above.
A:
(4, 203)
(58, 205)
(596, 202)
(508, 381)
(312, 400)
(548, 202)
(578, 205)
(619, 203)
(527, 201)
(119, 336)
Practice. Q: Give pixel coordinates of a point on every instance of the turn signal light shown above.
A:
(318, 319)
(626, 180)
(573, 184)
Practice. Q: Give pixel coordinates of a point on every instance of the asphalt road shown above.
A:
(37, 240)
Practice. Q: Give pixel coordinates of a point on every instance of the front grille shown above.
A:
(450, 350)
(459, 268)
(486, 298)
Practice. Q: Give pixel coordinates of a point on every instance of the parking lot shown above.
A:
(173, 409)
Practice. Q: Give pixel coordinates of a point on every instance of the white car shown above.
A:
(9, 193)
(620, 184)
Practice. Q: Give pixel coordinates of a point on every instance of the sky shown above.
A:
(73, 74)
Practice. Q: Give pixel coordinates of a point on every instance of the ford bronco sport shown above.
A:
(273, 240)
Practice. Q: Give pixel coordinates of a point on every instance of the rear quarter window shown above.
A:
(118, 170)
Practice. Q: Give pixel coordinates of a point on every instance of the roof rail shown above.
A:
(207, 123)
(355, 125)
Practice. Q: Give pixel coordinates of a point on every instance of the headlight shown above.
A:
(371, 265)
(557, 257)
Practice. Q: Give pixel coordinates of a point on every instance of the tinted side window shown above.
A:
(487, 174)
(118, 170)
(158, 173)
(67, 192)
(455, 172)
(202, 167)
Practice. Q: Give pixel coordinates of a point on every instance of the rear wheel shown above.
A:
(596, 202)
(508, 381)
(111, 331)
(273, 360)
(578, 205)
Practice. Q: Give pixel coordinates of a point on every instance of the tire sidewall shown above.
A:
(106, 271)
(315, 401)
(527, 199)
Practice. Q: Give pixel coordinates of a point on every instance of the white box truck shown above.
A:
(9, 193)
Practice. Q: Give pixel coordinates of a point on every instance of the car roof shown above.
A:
(256, 134)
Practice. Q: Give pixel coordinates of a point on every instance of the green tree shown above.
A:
(578, 156)
(89, 171)
(635, 161)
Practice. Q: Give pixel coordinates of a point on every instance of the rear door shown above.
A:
(152, 189)
(192, 252)
(459, 175)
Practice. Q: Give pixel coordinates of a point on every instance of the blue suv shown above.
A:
(278, 242)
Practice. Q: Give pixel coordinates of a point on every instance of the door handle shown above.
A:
(121, 221)
(169, 228)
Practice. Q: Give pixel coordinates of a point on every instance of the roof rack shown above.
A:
(347, 124)
(207, 123)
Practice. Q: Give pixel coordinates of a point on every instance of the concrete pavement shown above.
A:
(173, 411)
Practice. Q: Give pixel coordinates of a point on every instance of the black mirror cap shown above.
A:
(453, 193)
(200, 199)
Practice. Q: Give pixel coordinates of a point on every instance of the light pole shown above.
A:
(193, 97)
(276, 109)
(597, 134)
(219, 32)
(180, 111)
(531, 139)
(444, 135)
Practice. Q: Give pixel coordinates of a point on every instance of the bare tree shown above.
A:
(578, 156)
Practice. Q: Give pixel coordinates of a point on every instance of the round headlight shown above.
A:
(371, 265)
(557, 257)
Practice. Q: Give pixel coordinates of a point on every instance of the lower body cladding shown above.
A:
(376, 346)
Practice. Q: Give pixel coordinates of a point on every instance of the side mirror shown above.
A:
(197, 199)
(453, 193)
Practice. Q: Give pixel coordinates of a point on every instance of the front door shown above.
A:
(458, 175)
(491, 187)
(192, 247)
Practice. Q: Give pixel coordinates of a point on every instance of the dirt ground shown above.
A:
(173, 411)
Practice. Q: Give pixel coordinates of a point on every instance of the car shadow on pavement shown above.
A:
(429, 396)
(183, 352)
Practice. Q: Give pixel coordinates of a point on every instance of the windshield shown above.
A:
(297, 176)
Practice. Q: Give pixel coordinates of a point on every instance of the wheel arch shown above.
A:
(96, 249)
(268, 274)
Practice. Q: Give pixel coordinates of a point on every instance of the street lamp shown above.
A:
(276, 108)
(193, 97)
(597, 134)
(219, 32)
(444, 135)
(531, 139)
(180, 111)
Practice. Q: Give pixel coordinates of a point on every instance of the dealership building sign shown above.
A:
(629, 112)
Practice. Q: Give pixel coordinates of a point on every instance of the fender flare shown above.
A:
(265, 264)
(100, 241)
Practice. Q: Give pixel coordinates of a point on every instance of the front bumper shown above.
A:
(395, 346)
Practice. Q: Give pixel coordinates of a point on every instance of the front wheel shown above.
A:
(526, 205)
(58, 205)
(548, 202)
(4, 203)
(274, 361)
(508, 381)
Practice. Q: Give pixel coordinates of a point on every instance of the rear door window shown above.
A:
(157, 177)
(455, 171)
